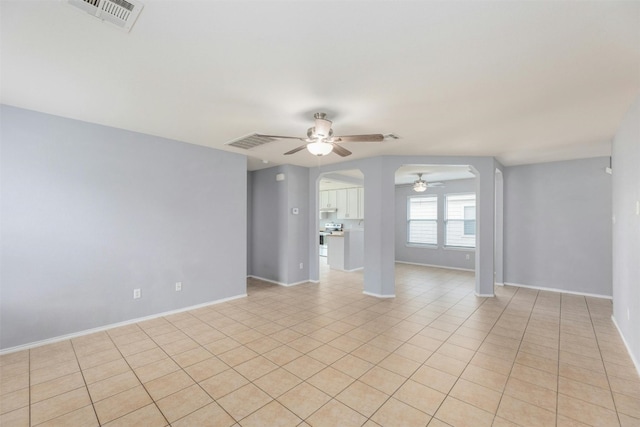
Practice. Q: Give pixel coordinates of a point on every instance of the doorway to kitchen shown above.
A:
(341, 220)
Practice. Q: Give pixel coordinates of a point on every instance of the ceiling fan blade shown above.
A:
(377, 137)
(340, 151)
(280, 137)
(295, 150)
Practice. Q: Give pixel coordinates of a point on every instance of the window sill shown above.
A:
(421, 245)
(460, 248)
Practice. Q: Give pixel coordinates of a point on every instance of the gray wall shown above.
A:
(452, 258)
(90, 212)
(278, 237)
(557, 225)
(626, 230)
(297, 225)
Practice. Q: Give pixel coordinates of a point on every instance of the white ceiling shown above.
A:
(523, 81)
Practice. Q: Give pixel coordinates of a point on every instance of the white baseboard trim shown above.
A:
(563, 291)
(113, 325)
(484, 295)
(278, 283)
(436, 266)
(355, 269)
(371, 294)
(499, 284)
(626, 344)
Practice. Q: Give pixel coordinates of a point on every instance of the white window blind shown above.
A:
(422, 220)
(460, 220)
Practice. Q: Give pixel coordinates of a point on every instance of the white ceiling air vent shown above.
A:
(250, 141)
(122, 13)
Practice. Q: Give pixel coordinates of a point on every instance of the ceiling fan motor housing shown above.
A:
(323, 126)
(312, 133)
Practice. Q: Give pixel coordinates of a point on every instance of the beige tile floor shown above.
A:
(327, 355)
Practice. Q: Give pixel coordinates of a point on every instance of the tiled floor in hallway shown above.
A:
(327, 355)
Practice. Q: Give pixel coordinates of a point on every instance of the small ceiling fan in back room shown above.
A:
(420, 185)
(320, 140)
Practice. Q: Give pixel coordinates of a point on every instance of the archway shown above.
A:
(435, 221)
(340, 220)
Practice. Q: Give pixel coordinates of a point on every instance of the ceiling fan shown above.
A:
(320, 140)
(420, 185)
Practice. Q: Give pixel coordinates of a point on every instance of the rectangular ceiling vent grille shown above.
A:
(250, 141)
(122, 13)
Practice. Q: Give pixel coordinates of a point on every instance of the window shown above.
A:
(422, 220)
(470, 220)
(460, 220)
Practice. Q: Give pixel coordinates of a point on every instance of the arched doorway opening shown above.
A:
(341, 221)
(435, 219)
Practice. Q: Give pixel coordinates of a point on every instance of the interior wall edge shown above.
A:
(435, 265)
(636, 363)
(65, 337)
(558, 290)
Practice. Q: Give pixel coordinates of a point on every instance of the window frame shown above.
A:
(463, 221)
(409, 243)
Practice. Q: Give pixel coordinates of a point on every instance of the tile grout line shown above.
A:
(615, 406)
(374, 365)
(197, 382)
(84, 380)
(558, 364)
(519, 345)
(475, 351)
(29, 385)
(422, 364)
(138, 378)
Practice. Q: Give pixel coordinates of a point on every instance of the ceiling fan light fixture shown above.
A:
(420, 186)
(319, 148)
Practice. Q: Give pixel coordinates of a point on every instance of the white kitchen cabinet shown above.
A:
(341, 204)
(328, 199)
(352, 203)
(360, 203)
(324, 199)
(348, 203)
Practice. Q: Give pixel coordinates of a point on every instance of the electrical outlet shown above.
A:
(468, 256)
(136, 293)
(178, 286)
(301, 266)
